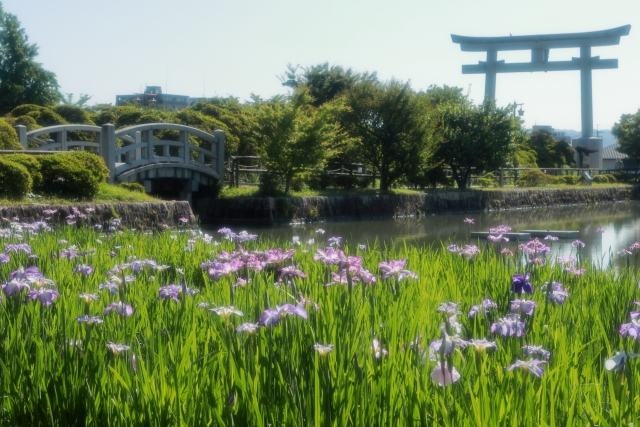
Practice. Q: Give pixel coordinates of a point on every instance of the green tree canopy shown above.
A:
(296, 135)
(627, 132)
(392, 127)
(550, 152)
(437, 96)
(22, 80)
(473, 137)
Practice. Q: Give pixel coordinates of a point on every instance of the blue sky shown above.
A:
(212, 47)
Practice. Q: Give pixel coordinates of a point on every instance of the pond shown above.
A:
(621, 221)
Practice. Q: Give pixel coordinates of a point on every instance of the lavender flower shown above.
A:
(226, 312)
(444, 376)
(334, 241)
(482, 345)
(14, 286)
(320, 231)
(89, 320)
(377, 349)
(508, 326)
(618, 362)
(520, 284)
(110, 286)
(555, 292)
(552, 238)
(395, 268)
(44, 295)
(116, 349)
(449, 308)
(577, 244)
(484, 307)
(506, 252)
(84, 269)
(121, 308)
(469, 251)
(601, 230)
(290, 272)
(17, 248)
(532, 365)
(87, 298)
(536, 349)
(323, 350)
(250, 328)
(4, 259)
(468, 221)
(523, 306)
(450, 343)
(631, 329)
(454, 248)
(575, 271)
(272, 317)
(183, 220)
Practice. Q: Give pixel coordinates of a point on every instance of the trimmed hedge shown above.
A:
(33, 166)
(72, 174)
(15, 181)
(533, 178)
(8, 137)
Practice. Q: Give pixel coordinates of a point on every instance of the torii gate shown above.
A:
(540, 46)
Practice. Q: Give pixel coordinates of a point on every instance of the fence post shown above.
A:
(137, 138)
(108, 149)
(219, 134)
(63, 140)
(501, 176)
(22, 135)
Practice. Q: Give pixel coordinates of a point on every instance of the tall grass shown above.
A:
(193, 369)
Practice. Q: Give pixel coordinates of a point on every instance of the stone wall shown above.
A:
(270, 210)
(131, 214)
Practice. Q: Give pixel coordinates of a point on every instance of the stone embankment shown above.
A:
(139, 215)
(279, 210)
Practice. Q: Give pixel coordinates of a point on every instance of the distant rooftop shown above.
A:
(611, 152)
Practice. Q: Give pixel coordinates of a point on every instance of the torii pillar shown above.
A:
(540, 46)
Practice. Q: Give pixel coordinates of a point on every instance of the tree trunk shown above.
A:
(460, 178)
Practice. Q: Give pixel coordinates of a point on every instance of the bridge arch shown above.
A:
(141, 157)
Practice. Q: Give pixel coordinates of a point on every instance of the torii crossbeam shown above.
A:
(539, 45)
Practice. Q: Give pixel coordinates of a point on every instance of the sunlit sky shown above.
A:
(221, 48)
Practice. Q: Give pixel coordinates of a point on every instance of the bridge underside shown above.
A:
(171, 182)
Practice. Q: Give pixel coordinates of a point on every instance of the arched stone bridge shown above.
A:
(162, 166)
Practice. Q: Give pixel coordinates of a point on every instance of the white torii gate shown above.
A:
(540, 46)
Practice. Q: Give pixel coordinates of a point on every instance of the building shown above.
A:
(610, 156)
(153, 97)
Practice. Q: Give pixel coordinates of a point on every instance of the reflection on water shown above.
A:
(621, 221)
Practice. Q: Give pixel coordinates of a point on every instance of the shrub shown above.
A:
(600, 179)
(533, 178)
(569, 179)
(612, 178)
(15, 181)
(488, 180)
(72, 174)
(270, 184)
(73, 114)
(8, 137)
(27, 121)
(622, 176)
(133, 186)
(32, 164)
(347, 182)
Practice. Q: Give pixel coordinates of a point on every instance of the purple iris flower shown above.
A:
(250, 328)
(552, 238)
(377, 349)
(484, 307)
(183, 220)
(328, 257)
(631, 329)
(115, 349)
(44, 295)
(555, 292)
(509, 326)
(4, 258)
(110, 286)
(520, 284)
(14, 287)
(17, 248)
(272, 317)
(334, 241)
(224, 269)
(84, 269)
(444, 376)
(469, 251)
(635, 314)
(290, 272)
(577, 244)
(535, 247)
(449, 308)
(575, 271)
(536, 349)
(395, 268)
(120, 308)
(173, 291)
(468, 220)
(531, 365)
(451, 342)
(454, 248)
(523, 306)
(89, 320)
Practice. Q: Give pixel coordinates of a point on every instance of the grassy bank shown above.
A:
(186, 363)
(253, 191)
(107, 193)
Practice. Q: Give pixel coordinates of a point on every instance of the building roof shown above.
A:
(611, 153)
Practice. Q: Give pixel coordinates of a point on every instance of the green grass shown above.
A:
(562, 186)
(255, 192)
(107, 193)
(189, 360)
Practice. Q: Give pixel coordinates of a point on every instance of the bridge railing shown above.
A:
(139, 149)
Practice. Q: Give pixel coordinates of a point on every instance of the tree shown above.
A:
(22, 80)
(392, 127)
(324, 82)
(550, 152)
(473, 137)
(627, 132)
(67, 98)
(438, 96)
(295, 136)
